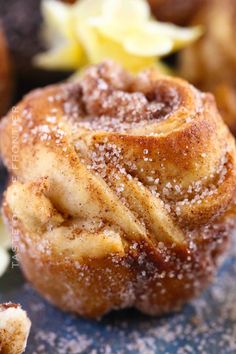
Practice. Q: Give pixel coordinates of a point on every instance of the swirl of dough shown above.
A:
(125, 190)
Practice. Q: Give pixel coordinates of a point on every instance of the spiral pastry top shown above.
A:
(125, 188)
(5, 76)
(210, 63)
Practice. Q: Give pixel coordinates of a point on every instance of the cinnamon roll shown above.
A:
(14, 329)
(125, 190)
(210, 63)
(5, 76)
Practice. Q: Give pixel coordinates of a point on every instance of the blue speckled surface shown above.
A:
(206, 326)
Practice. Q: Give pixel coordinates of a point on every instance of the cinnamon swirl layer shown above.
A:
(125, 191)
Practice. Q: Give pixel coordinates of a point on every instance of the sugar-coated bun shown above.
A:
(125, 190)
(14, 329)
(210, 63)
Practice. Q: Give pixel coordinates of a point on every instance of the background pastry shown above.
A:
(131, 186)
(210, 63)
(21, 21)
(176, 11)
(14, 329)
(5, 75)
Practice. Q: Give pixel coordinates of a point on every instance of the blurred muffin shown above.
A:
(177, 11)
(14, 329)
(210, 63)
(5, 76)
(21, 21)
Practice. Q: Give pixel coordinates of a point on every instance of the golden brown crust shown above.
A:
(5, 76)
(210, 63)
(14, 329)
(125, 191)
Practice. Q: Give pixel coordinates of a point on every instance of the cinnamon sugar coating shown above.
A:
(125, 192)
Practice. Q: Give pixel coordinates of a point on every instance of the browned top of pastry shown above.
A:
(14, 329)
(147, 157)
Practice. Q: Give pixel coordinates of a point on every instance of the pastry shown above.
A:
(5, 75)
(21, 20)
(176, 11)
(210, 63)
(14, 329)
(125, 190)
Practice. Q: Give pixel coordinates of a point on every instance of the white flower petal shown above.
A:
(118, 29)
(179, 35)
(147, 45)
(55, 12)
(128, 12)
(84, 9)
(57, 16)
(152, 38)
(4, 261)
(114, 31)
